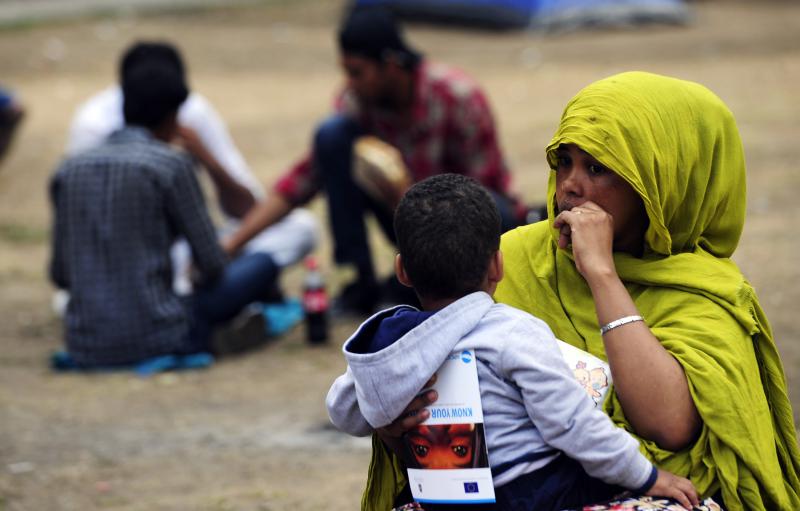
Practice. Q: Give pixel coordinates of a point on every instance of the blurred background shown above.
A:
(251, 433)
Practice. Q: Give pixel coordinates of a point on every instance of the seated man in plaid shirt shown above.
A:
(117, 210)
(435, 116)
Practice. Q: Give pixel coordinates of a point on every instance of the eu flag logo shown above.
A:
(471, 487)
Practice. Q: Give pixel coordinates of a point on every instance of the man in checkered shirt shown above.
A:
(438, 119)
(117, 210)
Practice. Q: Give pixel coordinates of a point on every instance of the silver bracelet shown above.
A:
(619, 322)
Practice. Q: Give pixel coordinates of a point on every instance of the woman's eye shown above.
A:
(421, 450)
(460, 450)
(562, 163)
(596, 168)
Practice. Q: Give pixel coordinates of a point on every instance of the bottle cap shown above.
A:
(311, 263)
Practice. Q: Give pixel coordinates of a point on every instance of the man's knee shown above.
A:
(335, 135)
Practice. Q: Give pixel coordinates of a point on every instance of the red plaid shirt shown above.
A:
(451, 129)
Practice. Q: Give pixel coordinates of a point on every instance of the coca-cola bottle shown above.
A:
(315, 303)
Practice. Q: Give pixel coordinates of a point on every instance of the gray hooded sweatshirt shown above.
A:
(533, 408)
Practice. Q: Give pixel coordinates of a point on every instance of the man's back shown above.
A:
(118, 208)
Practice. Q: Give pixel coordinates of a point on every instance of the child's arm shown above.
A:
(343, 406)
(343, 410)
(563, 413)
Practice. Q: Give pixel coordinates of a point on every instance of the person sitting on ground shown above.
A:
(647, 195)
(117, 210)
(647, 204)
(435, 116)
(11, 113)
(203, 133)
(549, 447)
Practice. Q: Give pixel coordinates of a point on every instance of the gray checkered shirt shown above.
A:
(117, 210)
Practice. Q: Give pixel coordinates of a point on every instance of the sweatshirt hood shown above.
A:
(397, 350)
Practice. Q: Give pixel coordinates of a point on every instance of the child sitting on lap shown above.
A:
(549, 447)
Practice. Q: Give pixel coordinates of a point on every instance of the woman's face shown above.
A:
(581, 178)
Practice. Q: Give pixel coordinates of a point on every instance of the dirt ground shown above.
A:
(251, 433)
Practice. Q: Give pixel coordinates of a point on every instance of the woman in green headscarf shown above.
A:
(646, 203)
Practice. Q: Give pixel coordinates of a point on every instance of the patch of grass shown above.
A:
(145, 9)
(23, 234)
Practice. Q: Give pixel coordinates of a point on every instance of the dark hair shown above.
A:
(151, 51)
(152, 91)
(448, 229)
(373, 33)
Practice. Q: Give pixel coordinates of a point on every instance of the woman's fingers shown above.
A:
(418, 403)
(412, 420)
(564, 226)
(589, 231)
(414, 414)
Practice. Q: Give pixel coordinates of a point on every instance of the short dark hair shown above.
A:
(373, 33)
(448, 229)
(151, 51)
(152, 91)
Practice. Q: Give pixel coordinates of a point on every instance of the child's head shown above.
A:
(448, 233)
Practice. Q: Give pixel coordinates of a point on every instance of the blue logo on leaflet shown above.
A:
(471, 487)
(466, 357)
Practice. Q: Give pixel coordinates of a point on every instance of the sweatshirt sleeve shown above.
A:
(342, 405)
(563, 412)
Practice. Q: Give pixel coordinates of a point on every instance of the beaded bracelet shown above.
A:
(619, 322)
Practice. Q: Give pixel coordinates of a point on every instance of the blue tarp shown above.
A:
(543, 14)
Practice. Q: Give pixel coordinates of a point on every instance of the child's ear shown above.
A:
(400, 271)
(496, 268)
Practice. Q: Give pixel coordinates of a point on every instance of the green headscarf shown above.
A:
(678, 146)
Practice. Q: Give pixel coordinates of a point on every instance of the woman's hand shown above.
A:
(413, 415)
(590, 231)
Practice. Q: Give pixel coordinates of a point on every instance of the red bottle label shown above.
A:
(315, 300)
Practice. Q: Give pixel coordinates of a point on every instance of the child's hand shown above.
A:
(678, 488)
